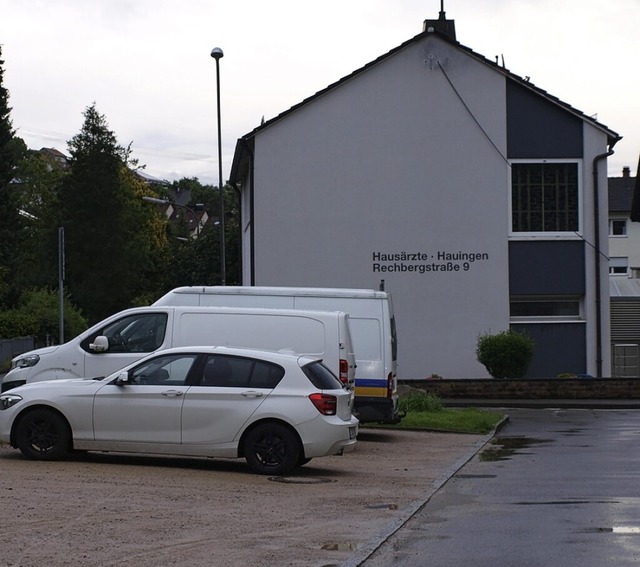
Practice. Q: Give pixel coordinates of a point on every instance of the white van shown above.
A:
(370, 318)
(129, 335)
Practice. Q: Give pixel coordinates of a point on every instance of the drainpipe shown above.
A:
(596, 222)
(252, 233)
(239, 231)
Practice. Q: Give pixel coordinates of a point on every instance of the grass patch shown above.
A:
(425, 411)
(467, 420)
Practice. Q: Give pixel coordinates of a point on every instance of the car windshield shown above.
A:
(321, 377)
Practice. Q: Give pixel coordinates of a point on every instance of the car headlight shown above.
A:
(9, 400)
(26, 361)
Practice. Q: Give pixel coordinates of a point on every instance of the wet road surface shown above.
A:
(553, 488)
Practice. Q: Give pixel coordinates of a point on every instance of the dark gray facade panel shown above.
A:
(536, 128)
(546, 267)
(625, 319)
(559, 348)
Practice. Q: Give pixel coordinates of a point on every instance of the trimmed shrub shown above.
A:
(505, 355)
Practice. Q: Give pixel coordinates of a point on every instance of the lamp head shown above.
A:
(217, 53)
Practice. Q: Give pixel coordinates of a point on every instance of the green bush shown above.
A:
(505, 355)
(419, 402)
(15, 323)
(38, 314)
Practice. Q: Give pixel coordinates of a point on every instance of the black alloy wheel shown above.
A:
(272, 448)
(43, 435)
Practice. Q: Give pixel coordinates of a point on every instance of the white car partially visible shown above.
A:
(276, 410)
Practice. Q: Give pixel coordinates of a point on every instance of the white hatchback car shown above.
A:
(276, 410)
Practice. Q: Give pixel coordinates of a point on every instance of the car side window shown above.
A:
(266, 375)
(142, 332)
(169, 370)
(239, 372)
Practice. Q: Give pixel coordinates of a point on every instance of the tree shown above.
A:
(12, 150)
(505, 355)
(197, 261)
(39, 179)
(110, 236)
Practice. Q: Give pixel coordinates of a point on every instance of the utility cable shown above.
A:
(472, 115)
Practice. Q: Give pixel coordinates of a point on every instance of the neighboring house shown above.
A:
(462, 188)
(195, 218)
(55, 156)
(624, 271)
(624, 236)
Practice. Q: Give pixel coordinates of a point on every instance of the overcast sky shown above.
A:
(147, 65)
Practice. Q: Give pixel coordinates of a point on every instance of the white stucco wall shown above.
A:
(387, 176)
(626, 246)
(595, 141)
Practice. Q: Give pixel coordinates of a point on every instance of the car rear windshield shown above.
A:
(321, 377)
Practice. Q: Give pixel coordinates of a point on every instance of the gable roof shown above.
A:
(635, 203)
(612, 136)
(621, 193)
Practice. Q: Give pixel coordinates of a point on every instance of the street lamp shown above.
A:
(217, 54)
(157, 201)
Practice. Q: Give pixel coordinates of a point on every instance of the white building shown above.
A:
(464, 188)
(624, 273)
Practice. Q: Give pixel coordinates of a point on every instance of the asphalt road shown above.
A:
(553, 488)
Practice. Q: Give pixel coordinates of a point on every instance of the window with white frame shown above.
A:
(545, 197)
(618, 266)
(617, 227)
(541, 308)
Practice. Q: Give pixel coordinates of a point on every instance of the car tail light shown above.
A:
(344, 372)
(326, 404)
(390, 385)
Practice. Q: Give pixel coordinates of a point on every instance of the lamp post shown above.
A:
(61, 280)
(217, 54)
(157, 201)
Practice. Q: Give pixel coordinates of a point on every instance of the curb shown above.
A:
(371, 546)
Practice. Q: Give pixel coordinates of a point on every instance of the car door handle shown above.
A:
(172, 393)
(252, 394)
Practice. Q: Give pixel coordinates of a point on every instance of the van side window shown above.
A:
(239, 372)
(142, 332)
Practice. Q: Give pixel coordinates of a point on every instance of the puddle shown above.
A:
(300, 479)
(621, 530)
(383, 506)
(504, 447)
(341, 547)
(476, 475)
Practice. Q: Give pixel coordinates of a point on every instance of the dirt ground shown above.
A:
(112, 510)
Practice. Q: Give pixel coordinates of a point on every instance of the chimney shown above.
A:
(442, 25)
(626, 172)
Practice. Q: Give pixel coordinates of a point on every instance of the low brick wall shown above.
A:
(534, 389)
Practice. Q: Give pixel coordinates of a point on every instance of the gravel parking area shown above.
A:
(113, 510)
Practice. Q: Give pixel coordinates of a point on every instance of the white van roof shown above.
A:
(319, 313)
(280, 290)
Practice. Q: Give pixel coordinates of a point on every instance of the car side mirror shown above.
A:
(99, 344)
(122, 379)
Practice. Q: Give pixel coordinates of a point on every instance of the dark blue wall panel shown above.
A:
(537, 128)
(546, 267)
(559, 348)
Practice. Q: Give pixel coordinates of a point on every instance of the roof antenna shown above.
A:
(443, 16)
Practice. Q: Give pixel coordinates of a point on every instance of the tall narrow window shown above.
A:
(544, 197)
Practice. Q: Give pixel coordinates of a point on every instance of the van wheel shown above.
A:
(43, 435)
(272, 448)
